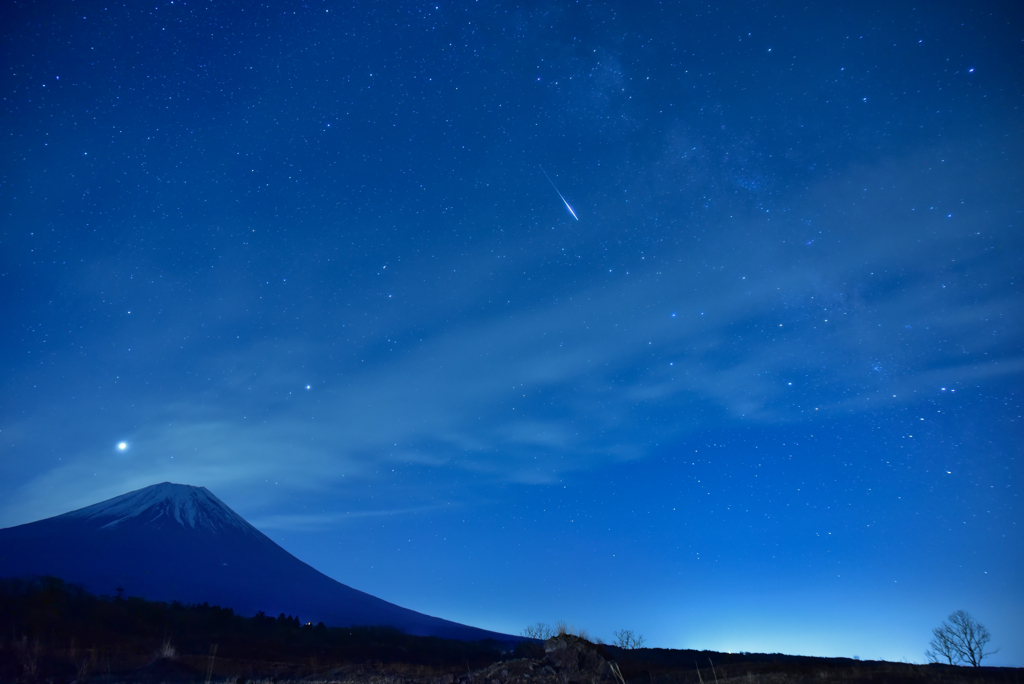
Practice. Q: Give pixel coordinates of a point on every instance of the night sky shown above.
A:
(763, 394)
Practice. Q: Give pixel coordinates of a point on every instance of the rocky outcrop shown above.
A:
(567, 660)
(577, 660)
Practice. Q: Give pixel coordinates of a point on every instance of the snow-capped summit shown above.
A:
(185, 505)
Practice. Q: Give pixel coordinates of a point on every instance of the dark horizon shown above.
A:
(264, 648)
(702, 322)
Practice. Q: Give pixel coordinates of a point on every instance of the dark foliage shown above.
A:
(43, 617)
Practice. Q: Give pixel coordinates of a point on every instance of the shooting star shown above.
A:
(559, 194)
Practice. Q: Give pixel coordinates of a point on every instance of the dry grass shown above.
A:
(166, 649)
(563, 628)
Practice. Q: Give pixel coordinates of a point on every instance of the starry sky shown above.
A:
(759, 390)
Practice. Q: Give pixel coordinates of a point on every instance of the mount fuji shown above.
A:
(173, 542)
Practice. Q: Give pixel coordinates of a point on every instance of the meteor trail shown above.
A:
(559, 194)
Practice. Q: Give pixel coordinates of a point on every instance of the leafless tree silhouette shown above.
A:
(960, 640)
(627, 638)
(539, 631)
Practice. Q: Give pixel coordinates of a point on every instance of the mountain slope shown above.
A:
(177, 542)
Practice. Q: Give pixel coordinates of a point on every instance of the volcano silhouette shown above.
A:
(173, 542)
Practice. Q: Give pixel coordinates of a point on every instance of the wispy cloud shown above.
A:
(321, 521)
(755, 330)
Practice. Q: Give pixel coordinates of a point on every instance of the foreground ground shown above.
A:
(54, 633)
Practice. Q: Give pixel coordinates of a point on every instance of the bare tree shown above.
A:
(960, 640)
(627, 638)
(942, 647)
(539, 631)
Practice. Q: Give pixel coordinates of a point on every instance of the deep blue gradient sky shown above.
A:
(764, 395)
